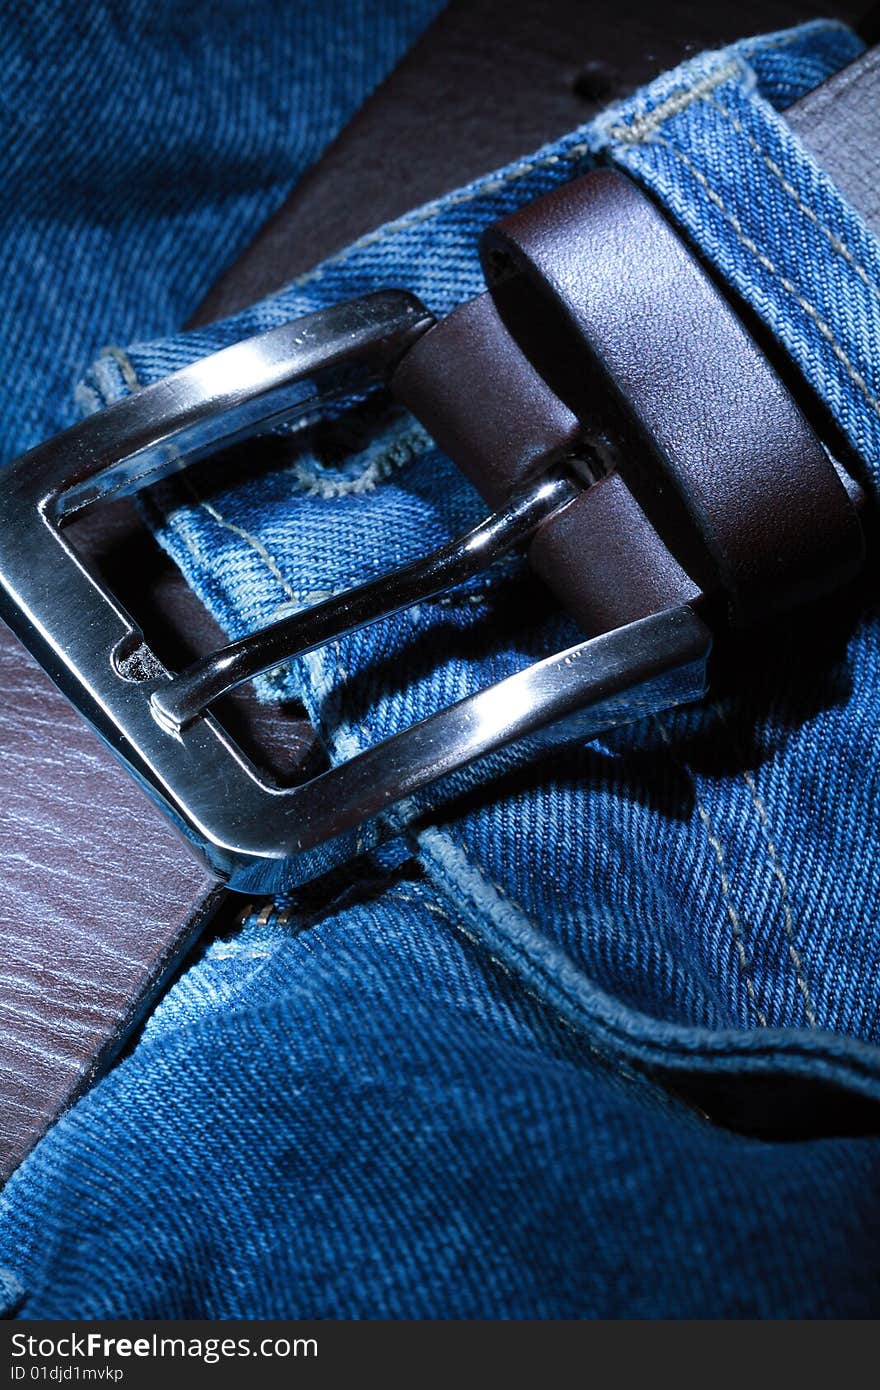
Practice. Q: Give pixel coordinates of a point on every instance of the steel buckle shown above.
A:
(260, 837)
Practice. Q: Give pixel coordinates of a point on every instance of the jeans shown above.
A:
(600, 1038)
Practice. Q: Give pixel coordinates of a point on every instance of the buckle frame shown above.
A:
(258, 837)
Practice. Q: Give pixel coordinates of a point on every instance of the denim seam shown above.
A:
(254, 541)
(824, 328)
(238, 951)
(736, 923)
(836, 242)
(525, 967)
(789, 925)
(474, 597)
(730, 1046)
(444, 915)
(612, 1060)
(777, 871)
(643, 126)
(490, 185)
(460, 889)
(376, 470)
(417, 900)
(125, 365)
(673, 105)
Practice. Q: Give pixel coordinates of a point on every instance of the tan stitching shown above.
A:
(125, 365)
(413, 219)
(254, 541)
(433, 908)
(453, 600)
(789, 925)
(852, 371)
(232, 950)
(641, 127)
(733, 916)
(644, 126)
(309, 483)
(788, 187)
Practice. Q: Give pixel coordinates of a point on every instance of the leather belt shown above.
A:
(595, 286)
(700, 538)
(838, 124)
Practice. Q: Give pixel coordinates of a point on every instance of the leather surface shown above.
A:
(98, 897)
(840, 124)
(490, 411)
(621, 320)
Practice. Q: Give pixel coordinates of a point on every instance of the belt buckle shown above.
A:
(261, 838)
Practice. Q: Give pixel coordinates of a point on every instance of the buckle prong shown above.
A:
(260, 837)
(187, 696)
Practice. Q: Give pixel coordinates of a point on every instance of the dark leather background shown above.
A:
(99, 899)
(489, 81)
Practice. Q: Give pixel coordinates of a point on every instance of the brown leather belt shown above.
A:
(92, 930)
(733, 471)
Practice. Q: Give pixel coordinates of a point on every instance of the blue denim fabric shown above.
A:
(143, 141)
(472, 1081)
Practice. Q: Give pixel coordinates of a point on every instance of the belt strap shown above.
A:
(625, 326)
(489, 410)
(839, 123)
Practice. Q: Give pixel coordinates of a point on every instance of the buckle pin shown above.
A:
(186, 696)
(260, 837)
